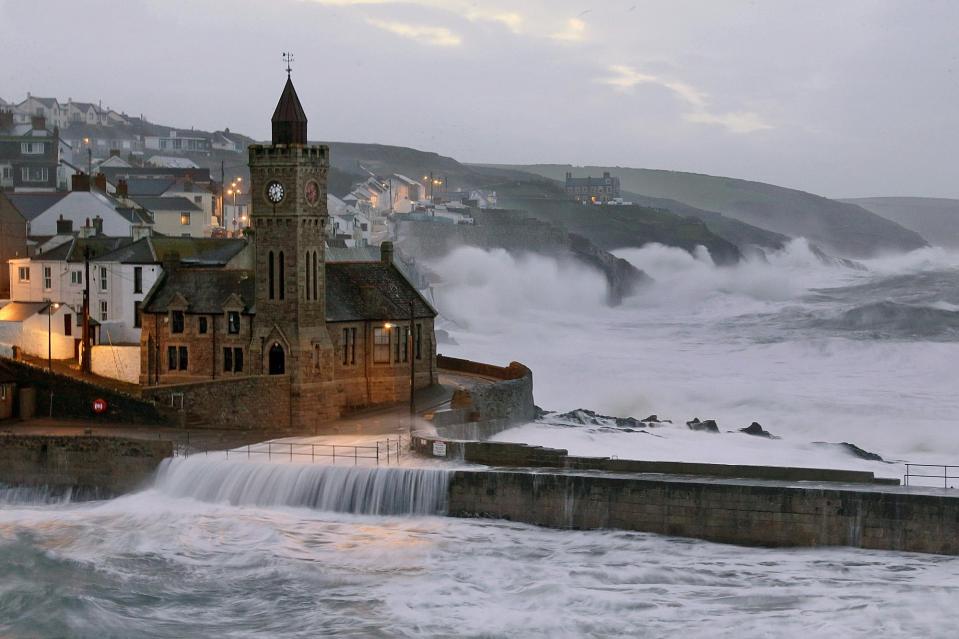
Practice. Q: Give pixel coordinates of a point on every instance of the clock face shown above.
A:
(312, 192)
(275, 192)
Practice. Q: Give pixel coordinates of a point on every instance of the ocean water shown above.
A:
(819, 353)
(186, 560)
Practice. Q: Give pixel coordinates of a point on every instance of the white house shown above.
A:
(80, 208)
(39, 329)
(55, 113)
(176, 216)
(177, 141)
(121, 271)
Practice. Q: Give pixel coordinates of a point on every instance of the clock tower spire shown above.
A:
(289, 216)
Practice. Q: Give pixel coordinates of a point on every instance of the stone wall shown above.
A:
(258, 402)
(739, 512)
(87, 467)
(72, 398)
(508, 400)
(510, 454)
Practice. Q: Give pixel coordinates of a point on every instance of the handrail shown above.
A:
(386, 451)
(945, 476)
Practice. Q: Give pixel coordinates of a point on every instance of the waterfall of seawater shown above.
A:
(350, 489)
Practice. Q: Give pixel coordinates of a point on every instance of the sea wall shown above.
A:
(744, 512)
(510, 454)
(87, 467)
(483, 409)
(246, 403)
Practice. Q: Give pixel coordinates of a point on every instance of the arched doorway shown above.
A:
(277, 359)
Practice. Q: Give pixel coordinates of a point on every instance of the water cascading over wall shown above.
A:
(349, 489)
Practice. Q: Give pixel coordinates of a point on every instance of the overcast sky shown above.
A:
(842, 98)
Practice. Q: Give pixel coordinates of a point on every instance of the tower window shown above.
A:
(307, 267)
(315, 274)
(282, 277)
(270, 274)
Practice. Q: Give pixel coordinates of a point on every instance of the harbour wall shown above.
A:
(743, 512)
(85, 467)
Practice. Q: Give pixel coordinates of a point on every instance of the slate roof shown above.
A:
(289, 118)
(31, 205)
(148, 186)
(113, 173)
(200, 251)
(19, 311)
(355, 291)
(175, 203)
(375, 291)
(204, 289)
(73, 250)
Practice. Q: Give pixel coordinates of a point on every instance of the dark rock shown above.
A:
(707, 426)
(539, 413)
(854, 450)
(757, 430)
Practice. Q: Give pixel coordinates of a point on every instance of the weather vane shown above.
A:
(288, 58)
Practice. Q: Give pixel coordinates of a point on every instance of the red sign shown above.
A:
(99, 405)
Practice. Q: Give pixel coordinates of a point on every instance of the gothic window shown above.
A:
(201, 325)
(307, 262)
(349, 346)
(282, 277)
(315, 273)
(270, 273)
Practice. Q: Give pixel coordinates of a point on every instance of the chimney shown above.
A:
(64, 227)
(80, 182)
(386, 252)
(87, 230)
(569, 175)
(100, 182)
(114, 153)
(606, 174)
(98, 225)
(6, 119)
(123, 189)
(38, 122)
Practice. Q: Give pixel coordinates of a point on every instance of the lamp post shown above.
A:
(50, 310)
(89, 156)
(412, 371)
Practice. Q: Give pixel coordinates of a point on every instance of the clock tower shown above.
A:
(289, 223)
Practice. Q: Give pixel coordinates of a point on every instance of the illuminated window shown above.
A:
(381, 345)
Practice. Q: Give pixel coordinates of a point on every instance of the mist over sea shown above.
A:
(815, 351)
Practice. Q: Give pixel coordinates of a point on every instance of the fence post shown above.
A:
(312, 453)
(247, 451)
(269, 450)
(354, 456)
(334, 454)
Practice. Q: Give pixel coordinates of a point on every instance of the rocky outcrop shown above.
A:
(755, 429)
(706, 426)
(516, 232)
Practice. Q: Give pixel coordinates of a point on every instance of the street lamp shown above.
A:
(50, 311)
(89, 156)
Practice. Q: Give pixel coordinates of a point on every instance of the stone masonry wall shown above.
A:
(248, 403)
(88, 467)
(73, 398)
(509, 399)
(730, 512)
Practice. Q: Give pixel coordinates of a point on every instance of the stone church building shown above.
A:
(344, 334)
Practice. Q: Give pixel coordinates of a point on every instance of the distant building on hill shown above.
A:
(592, 190)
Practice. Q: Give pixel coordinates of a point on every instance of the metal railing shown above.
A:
(379, 452)
(945, 476)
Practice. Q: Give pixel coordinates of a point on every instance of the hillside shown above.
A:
(840, 227)
(614, 227)
(936, 219)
